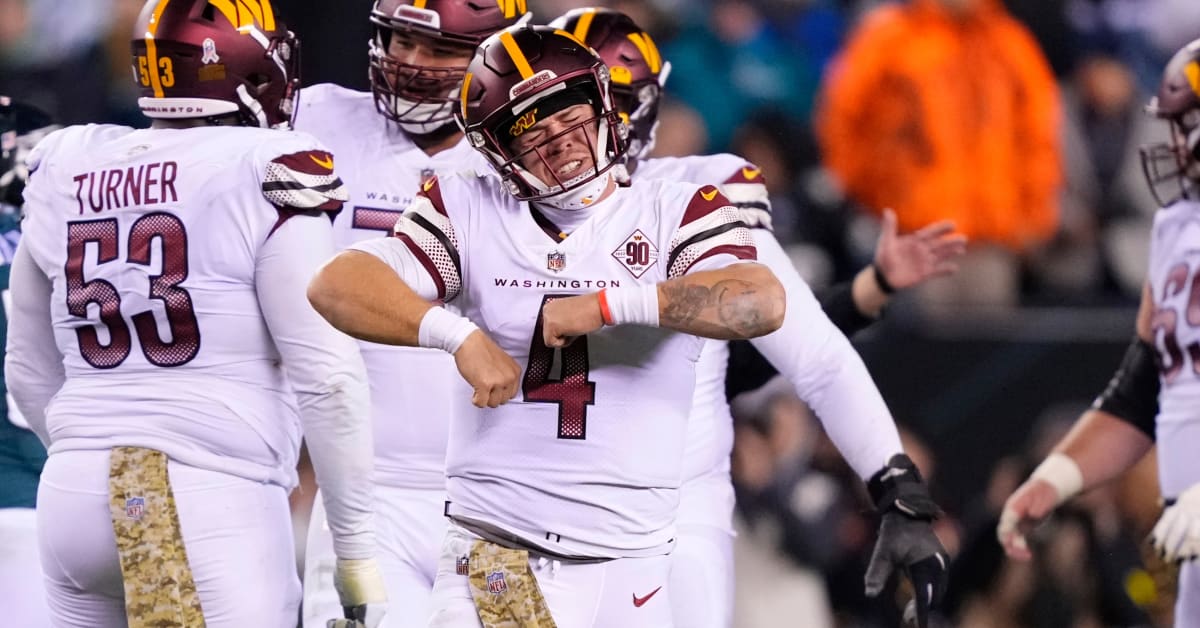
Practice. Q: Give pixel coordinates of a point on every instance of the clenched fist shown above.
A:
(491, 372)
(566, 318)
(1028, 506)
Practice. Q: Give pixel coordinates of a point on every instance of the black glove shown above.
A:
(906, 538)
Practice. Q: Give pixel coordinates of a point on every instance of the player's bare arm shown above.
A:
(364, 297)
(735, 302)
(1101, 445)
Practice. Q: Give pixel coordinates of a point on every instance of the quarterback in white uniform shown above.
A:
(161, 346)
(1155, 393)
(814, 356)
(387, 141)
(563, 499)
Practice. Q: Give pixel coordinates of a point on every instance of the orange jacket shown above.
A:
(940, 117)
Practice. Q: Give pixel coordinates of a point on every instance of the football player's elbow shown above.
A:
(772, 302)
(324, 295)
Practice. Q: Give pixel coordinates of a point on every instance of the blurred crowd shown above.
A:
(1019, 119)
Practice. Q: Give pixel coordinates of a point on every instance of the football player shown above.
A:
(858, 422)
(387, 141)
(583, 301)
(1153, 394)
(21, 454)
(162, 347)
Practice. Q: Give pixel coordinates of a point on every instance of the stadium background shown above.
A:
(979, 391)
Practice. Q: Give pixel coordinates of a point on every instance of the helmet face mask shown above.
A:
(1172, 169)
(521, 77)
(421, 96)
(196, 59)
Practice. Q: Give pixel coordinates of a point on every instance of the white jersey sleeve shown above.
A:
(426, 230)
(710, 230)
(327, 375)
(826, 371)
(33, 368)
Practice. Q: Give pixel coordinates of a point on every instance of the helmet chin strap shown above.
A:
(424, 111)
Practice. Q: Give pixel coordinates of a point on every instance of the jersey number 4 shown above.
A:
(83, 294)
(572, 390)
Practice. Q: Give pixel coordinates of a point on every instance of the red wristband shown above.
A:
(605, 314)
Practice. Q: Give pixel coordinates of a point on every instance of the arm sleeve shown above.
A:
(711, 227)
(826, 371)
(33, 367)
(399, 256)
(328, 377)
(838, 303)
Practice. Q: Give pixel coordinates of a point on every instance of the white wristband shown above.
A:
(442, 329)
(635, 305)
(1061, 472)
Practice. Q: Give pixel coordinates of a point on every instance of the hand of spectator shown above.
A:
(491, 372)
(1028, 506)
(1176, 536)
(910, 259)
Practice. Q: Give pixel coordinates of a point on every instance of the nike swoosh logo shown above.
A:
(326, 163)
(639, 601)
(428, 184)
(710, 195)
(750, 174)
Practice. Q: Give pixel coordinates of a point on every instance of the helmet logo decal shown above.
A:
(418, 14)
(545, 76)
(510, 8)
(242, 13)
(518, 57)
(209, 48)
(527, 119)
(649, 51)
(1192, 72)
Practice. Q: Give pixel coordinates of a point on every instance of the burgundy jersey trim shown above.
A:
(432, 190)
(425, 260)
(705, 201)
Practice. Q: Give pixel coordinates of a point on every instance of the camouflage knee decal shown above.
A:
(159, 589)
(505, 590)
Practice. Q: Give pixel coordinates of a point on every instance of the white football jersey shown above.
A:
(151, 239)
(586, 460)
(710, 428)
(1174, 276)
(411, 387)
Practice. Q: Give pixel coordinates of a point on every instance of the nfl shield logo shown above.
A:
(135, 507)
(556, 261)
(495, 582)
(462, 566)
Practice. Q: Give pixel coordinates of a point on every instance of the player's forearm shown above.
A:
(365, 298)
(869, 296)
(1103, 446)
(736, 302)
(33, 368)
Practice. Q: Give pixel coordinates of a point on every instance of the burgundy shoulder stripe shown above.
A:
(430, 267)
(705, 201)
(431, 189)
(747, 174)
(314, 162)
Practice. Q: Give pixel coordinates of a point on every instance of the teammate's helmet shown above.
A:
(638, 71)
(1177, 102)
(418, 97)
(21, 126)
(205, 58)
(524, 74)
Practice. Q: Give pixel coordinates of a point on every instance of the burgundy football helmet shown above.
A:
(520, 72)
(202, 58)
(1178, 102)
(421, 98)
(638, 71)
